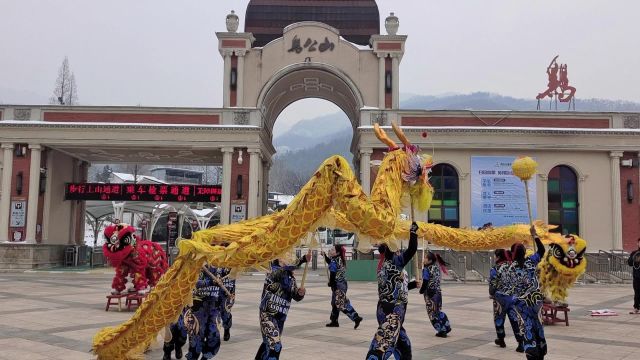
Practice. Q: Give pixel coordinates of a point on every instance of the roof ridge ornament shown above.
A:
(391, 23)
(232, 21)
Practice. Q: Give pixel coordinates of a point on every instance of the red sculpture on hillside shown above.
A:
(556, 82)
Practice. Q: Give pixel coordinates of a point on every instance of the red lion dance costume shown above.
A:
(143, 260)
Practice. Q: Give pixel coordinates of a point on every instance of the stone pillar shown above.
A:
(616, 199)
(227, 158)
(226, 92)
(365, 170)
(395, 75)
(543, 191)
(5, 199)
(254, 181)
(240, 78)
(382, 80)
(34, 187)
(464, 201)
(582, 223)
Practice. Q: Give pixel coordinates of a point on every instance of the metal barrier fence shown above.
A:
(481, 263)
(457, 264)
(620, 269)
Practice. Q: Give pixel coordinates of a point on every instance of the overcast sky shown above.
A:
(164, 53)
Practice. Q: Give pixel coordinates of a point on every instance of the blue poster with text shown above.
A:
(498, 196)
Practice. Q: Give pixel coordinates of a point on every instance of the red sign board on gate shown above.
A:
(143, 192)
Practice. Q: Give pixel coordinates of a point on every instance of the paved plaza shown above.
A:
(53, 315)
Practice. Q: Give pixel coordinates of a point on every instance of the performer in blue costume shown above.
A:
(430, 288)
(279, 288)
(393, 290)
(338, 284)
(201, 319)
(229, 282)
(524, 286)
(502, 307)
(178, 338)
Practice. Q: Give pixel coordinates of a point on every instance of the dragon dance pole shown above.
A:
(525, 168)
(217, 281)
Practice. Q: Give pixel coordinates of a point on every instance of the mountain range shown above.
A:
(303, 147)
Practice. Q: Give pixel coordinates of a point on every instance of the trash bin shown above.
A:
(70, 256)
(83, 254)
(96, 257)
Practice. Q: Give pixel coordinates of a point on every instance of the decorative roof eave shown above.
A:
(122, 126)
(474, 130)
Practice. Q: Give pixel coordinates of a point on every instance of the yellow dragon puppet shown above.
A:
(331, 197)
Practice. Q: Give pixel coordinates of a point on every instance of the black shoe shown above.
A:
(333, 324)
(357, 321)
(441, 334)
(227, 335)
(520, 348)
(500, 342)
(178, 353)
(167, 356)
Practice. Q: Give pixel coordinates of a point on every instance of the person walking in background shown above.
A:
(634, 261)
(338, 283)
(431, 276)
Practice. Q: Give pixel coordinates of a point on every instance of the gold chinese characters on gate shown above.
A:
(310, 45)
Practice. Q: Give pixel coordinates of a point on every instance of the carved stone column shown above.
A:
(34, 186)
(365, 170)
(254, 181)
(5, 199)
(240, 78)
(227, 158)
(616, 200)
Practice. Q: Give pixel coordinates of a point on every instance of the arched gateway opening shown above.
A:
(309, 80)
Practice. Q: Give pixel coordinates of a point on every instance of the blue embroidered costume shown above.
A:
(433, 298)
(393, 292)
(279, 288)
(502, 307)
(229, 283)
(523, 293)
(338, 284)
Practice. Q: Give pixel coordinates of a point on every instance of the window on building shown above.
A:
(562, 190)
(445, 205)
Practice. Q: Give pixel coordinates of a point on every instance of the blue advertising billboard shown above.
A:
(497, 196)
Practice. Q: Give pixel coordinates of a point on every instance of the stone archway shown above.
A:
(309, 80)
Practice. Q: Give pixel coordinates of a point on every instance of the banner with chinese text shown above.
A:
(143, 192)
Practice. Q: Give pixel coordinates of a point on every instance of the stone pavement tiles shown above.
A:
(53, 315)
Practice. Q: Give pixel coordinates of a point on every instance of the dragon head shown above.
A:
(416, 170)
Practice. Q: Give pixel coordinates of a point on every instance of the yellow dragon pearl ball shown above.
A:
(524, 167)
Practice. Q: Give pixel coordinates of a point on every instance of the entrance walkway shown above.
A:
(54, 315)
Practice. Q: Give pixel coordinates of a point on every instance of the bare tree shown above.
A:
(65, 91)
(284, 180)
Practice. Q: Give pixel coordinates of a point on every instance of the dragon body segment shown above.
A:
(331, 197)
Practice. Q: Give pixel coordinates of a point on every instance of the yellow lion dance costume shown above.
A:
(332, 196)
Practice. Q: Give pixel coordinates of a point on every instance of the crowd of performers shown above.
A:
(213, 297)
(513, 286)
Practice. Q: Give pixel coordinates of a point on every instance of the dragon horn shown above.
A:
(400, 134)
(382, 136)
